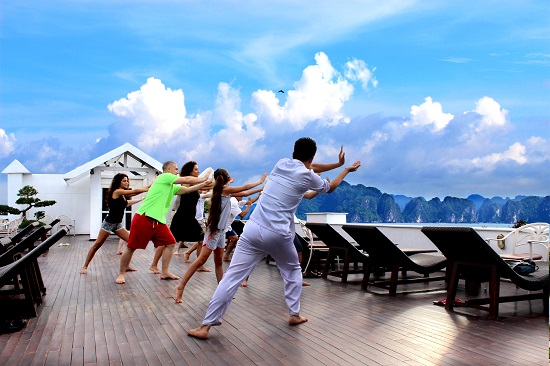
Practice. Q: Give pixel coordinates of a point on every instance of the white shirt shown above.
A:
(235, 210)
(282, 194)
(199, 215)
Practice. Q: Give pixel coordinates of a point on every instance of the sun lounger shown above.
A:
(472, 259)
(339, 246)
(386, 255)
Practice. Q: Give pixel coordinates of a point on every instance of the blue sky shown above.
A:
(435, 98)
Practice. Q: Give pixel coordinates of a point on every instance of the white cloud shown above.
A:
(319, 95)
(155, 110)
(6, 143)
(492, 115)
(429, 114)
(358, 70)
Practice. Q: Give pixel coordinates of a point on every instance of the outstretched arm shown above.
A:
(234, 190)
(248, 192)
(193, 188)
(189, 180)
(133, 202)
(320, 168)
(336, 182)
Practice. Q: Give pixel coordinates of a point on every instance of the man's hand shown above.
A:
(354, 167)
(341, 156)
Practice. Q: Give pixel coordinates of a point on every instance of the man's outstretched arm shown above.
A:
(336, 182)
(320, 168)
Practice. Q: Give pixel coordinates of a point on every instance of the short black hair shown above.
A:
(304, 149)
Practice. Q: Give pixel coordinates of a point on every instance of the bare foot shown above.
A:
(83, 270)
(244, 284)
(120, 279)
(203, 269)
(118, 253)
(186, 256)
(226, 259)
(200, 332)
(304, 283)
(179, 294)
(169, 277)
(176, 253)
(296, 319)
(131, 269)
(155, 269)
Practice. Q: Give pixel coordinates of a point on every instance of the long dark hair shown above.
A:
(221, 177)
(115, 184)
(187, 168)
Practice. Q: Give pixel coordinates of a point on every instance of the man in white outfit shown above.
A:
(270, 230)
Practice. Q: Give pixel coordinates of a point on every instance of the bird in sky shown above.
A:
(281, 91)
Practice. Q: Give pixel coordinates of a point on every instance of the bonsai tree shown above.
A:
(5, 210)
(27, 196)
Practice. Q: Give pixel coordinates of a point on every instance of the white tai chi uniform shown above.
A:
(270, 230)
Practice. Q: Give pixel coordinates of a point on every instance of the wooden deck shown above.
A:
(88, 319)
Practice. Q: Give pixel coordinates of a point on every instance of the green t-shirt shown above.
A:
(159, 197)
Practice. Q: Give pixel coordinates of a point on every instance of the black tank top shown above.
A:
(116, 210)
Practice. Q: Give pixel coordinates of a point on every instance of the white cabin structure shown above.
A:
(80, 193)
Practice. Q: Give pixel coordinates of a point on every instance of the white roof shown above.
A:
(127, 157)
(15, 167)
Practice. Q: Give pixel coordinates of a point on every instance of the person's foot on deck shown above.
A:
(304, 283)
(297, 319)
(245, 283)
(120, 279)
(186, 256)
(119, 253)
(226, 259)
(83, 270)
(179, 294)
(176, 253)
(155, 269)
(131, 269)
(169, 276)
(203, 269)
(200, 332)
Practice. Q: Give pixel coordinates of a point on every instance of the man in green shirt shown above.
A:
(149, 223)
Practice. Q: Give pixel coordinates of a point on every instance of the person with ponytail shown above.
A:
(218, 219)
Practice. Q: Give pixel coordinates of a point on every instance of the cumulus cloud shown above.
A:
(319, 96)
(492, 115)
(6, 143)
(429, 114)
(515, 152)
(155, 110)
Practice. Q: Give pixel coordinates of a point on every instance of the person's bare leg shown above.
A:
(199, 249)
(180, 245)
(231, 243)
(199, 262)
(218, 263)
(200, 332)
(101, 237)
(158, 254)
(297, 319)
(124, 234)
(124, 262)
(120, 248)
(188, 252)
(166, 258)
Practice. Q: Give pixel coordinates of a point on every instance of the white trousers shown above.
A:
(253, 245)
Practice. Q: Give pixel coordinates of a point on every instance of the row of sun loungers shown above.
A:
(462, 254)
(19, 269)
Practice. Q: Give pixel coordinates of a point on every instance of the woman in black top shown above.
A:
(117, 203)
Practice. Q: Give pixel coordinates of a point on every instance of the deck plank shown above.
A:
(89, 320)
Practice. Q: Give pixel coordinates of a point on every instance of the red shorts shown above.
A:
(145, 229)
